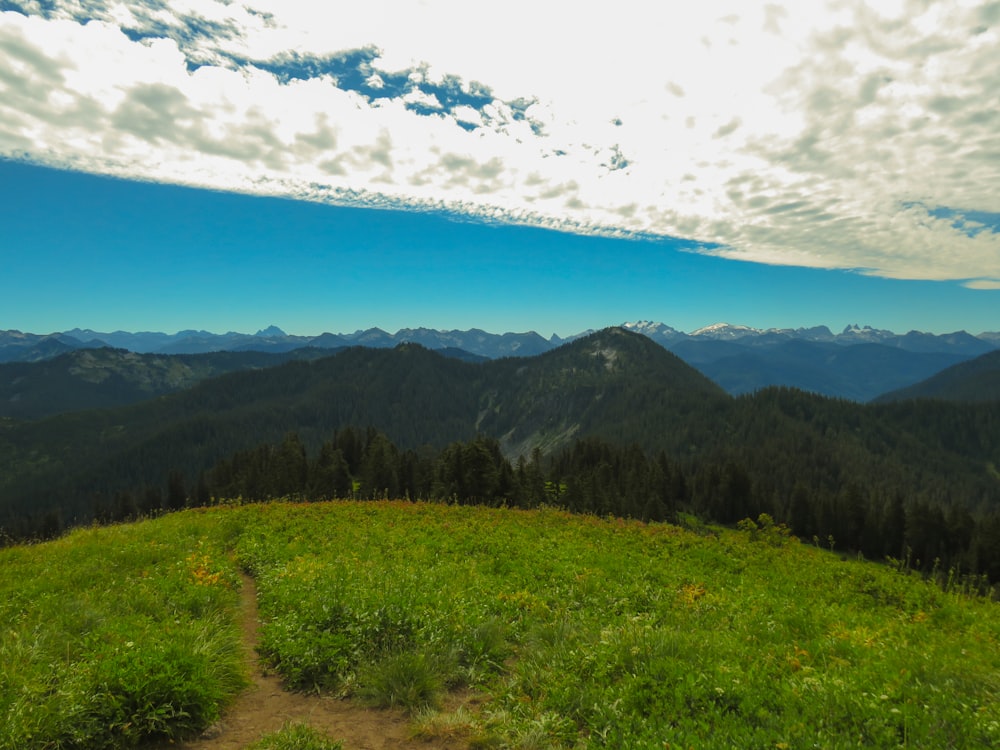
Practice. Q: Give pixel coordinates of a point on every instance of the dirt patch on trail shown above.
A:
(266, 707)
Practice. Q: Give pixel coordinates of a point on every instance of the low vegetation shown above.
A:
(118, 635)
(296, 737)
(573, 631)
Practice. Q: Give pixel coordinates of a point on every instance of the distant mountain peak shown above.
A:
(854, 332)
(726, 331)
(855, 328)
(271, 332)
(647, 327)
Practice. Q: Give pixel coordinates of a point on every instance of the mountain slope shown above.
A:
(858, 372)
(415, 396)
(615, 383)
(975, 381)
(29, 347)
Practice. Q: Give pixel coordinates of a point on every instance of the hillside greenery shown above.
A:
(118, 635)
(576, 631)
(416, 397)
(879, 520)
(611, 424)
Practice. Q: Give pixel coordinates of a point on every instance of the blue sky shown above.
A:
(111, 254)
(230, 165)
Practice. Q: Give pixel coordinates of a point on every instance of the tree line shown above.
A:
(592, 475)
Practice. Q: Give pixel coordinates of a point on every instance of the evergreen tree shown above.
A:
(379, 469)
(176, 492)
(289, 468)
(330, 476)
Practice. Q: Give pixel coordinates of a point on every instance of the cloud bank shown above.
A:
(842, 135)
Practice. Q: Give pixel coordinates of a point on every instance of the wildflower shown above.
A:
(692, 592)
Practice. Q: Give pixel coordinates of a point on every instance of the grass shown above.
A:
(408, 679)
(114, 636)
(623, 634)
(573, 631)
(296, 737)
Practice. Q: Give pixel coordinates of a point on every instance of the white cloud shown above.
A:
(815, 134)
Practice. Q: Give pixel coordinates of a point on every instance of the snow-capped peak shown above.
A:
(855, 332)
(648, 327)
(726, 331)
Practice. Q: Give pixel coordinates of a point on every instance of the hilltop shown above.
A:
(487, 628)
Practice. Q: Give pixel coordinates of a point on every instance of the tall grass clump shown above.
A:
(118, 635)
(408, 679)
(296, 737)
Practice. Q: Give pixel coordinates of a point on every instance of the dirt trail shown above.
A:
(266, 707)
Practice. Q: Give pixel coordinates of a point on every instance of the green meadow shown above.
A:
(570, 631)
(113, 636)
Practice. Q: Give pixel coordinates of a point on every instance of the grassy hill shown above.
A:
(570, 631)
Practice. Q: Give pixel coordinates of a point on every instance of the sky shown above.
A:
(520, 166)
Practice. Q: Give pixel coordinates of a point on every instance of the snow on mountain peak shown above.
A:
(854, 332)
(648, 327)
(726, 331)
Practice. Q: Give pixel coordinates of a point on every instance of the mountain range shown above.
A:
(603, 384)
(16, 346)
(785, 447)
(859, 363)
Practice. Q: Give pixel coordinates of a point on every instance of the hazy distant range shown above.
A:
(859, 363)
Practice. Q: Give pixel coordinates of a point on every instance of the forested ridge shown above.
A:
(105, 378)
(975, 381)
(610, 424)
